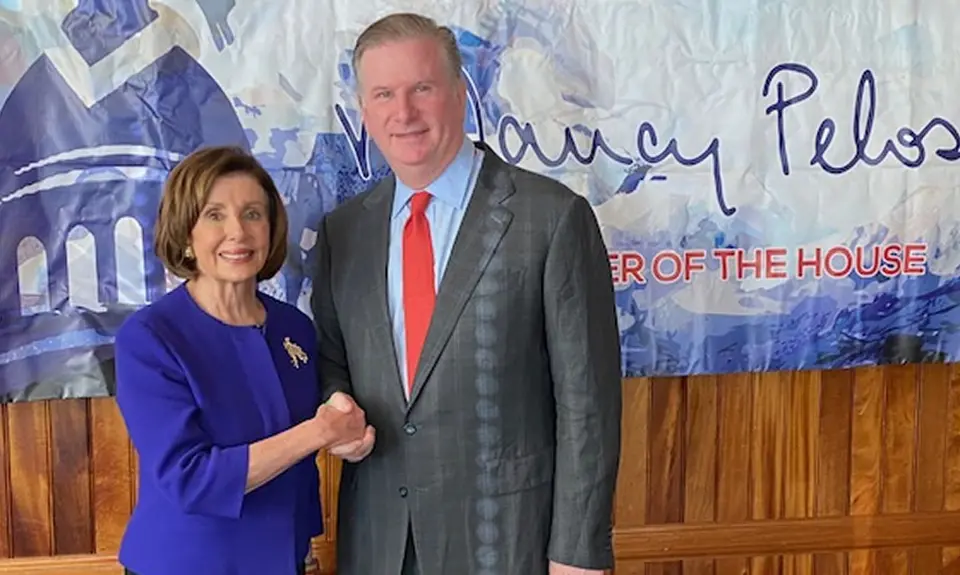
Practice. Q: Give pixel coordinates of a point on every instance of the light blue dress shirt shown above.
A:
(451, 192)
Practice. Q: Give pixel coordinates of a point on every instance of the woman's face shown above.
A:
(231, 239)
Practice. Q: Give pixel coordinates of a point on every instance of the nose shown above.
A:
(235, 227)
(406, 111)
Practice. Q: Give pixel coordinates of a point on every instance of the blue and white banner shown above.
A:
(775, 179)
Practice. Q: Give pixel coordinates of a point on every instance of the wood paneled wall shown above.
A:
(842, 472)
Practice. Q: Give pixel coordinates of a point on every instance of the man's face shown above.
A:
(413, 106)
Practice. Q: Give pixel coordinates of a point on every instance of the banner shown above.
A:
(775, 179)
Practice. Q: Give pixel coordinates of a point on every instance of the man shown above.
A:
(467, 307)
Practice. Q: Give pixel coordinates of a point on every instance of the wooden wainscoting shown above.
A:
(842, 472)
(69, 482)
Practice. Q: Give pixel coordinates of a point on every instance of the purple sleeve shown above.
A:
(163, 421)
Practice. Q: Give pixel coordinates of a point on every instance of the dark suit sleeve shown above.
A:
(583, 342)
(163, 421)
(332, 367)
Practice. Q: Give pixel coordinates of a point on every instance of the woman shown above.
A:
(218, 388)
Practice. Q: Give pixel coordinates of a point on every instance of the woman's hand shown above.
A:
(356, 450)
(339, 421)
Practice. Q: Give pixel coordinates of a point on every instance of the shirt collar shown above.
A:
(450, 187)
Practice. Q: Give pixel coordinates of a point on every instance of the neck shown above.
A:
(231, 303)
(420, 178)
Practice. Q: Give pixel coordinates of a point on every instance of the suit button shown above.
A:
(410, 428)
(403, 492)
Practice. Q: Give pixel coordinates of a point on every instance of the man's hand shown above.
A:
(356, 450)
(352, 451)
(558, 569)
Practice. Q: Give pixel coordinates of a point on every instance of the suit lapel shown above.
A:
(483, 226)
(376, 247)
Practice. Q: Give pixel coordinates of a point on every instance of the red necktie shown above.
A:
(418, 281)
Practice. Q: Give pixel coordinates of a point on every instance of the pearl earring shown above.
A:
(188, 253)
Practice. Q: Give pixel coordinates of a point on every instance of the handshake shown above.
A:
(343, 426)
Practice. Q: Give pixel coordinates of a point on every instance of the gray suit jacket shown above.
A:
(506, 455)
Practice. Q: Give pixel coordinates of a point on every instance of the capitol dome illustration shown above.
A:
(81, 176)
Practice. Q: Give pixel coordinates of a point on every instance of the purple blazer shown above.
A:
(194, 392)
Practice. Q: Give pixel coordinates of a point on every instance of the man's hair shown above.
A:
(185, 194)
(408, 26)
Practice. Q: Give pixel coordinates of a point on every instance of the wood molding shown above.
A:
(105, 564)
(325, 554)
(62, 565)
(786, 536)
(655, 543)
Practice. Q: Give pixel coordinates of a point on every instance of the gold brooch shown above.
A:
(296, 353)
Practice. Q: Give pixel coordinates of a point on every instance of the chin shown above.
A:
(413, 155)
(238, 280)
(412, 159)
(239, 276)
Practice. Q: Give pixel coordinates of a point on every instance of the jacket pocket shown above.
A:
(521, 473)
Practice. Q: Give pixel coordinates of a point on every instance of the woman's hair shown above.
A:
(185, 193)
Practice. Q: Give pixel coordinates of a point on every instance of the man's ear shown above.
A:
(358, 98)
(362, 110)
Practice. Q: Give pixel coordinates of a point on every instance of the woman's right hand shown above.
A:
(338, 422)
